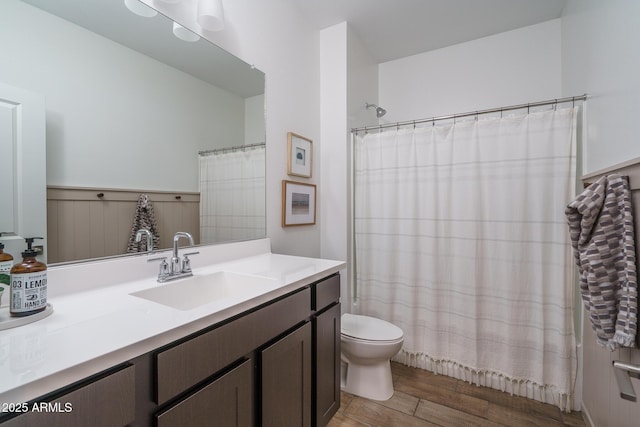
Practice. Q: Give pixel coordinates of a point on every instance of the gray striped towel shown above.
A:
(144, 218)
(601, 229)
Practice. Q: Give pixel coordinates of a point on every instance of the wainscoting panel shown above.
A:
(85, 223)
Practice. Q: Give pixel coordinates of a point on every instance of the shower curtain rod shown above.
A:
(472, 113)
(229, 149)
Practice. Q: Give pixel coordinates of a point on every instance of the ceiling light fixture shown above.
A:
(140, 8)
(184, 34)
(210, 15)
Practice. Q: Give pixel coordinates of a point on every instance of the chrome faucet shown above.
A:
(149, 238)
(175, 260)
(178, 268)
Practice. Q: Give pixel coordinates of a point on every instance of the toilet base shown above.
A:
(371, 381)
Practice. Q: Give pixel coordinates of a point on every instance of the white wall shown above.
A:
(362, 83)
(510, 68)
(276, 38)
(600, 57)
(349, 78)
(333, 111)
(109, 105)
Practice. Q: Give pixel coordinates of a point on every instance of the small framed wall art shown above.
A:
(298, 203)
(300, 155)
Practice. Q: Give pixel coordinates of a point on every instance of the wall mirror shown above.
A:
(131, 109)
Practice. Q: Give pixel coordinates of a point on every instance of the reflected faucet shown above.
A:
(149, 238)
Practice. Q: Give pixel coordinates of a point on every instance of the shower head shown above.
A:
(379, 110)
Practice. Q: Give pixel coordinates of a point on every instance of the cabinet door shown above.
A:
(327, 373)
(286, 380)
(227, 401)
(109, 402)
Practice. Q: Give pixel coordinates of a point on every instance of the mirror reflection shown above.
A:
(135, 115)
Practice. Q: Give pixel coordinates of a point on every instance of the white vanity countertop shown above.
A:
(93, 330)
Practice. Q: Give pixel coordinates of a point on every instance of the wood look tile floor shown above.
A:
(424, 399)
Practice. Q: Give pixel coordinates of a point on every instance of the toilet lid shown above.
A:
(369, 328)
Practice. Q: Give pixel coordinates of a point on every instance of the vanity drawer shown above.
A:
(326, 292)
(227, 401)
(191, 362)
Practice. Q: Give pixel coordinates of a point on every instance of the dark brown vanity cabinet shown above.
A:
(277, 364)
(301, 371)
(293, 348)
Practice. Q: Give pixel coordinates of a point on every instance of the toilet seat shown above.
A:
(366, 328)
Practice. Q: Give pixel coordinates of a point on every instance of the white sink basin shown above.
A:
(192, 292)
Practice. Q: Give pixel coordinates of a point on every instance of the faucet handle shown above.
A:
(186, 262)
(164, 266)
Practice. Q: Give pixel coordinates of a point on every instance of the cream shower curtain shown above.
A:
(461, 241)
(232, 195)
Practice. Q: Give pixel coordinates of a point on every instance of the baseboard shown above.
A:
(586, 417)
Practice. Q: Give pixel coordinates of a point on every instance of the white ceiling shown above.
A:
(393, 29)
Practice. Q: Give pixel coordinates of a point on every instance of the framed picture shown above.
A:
(300, 155)
(298, 203)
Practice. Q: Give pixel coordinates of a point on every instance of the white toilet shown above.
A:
(368, 344)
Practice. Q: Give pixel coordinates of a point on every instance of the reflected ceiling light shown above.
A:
(183, 34)
(140, 8)
(210, 15)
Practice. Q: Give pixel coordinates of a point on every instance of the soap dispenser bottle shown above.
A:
(28, 284)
